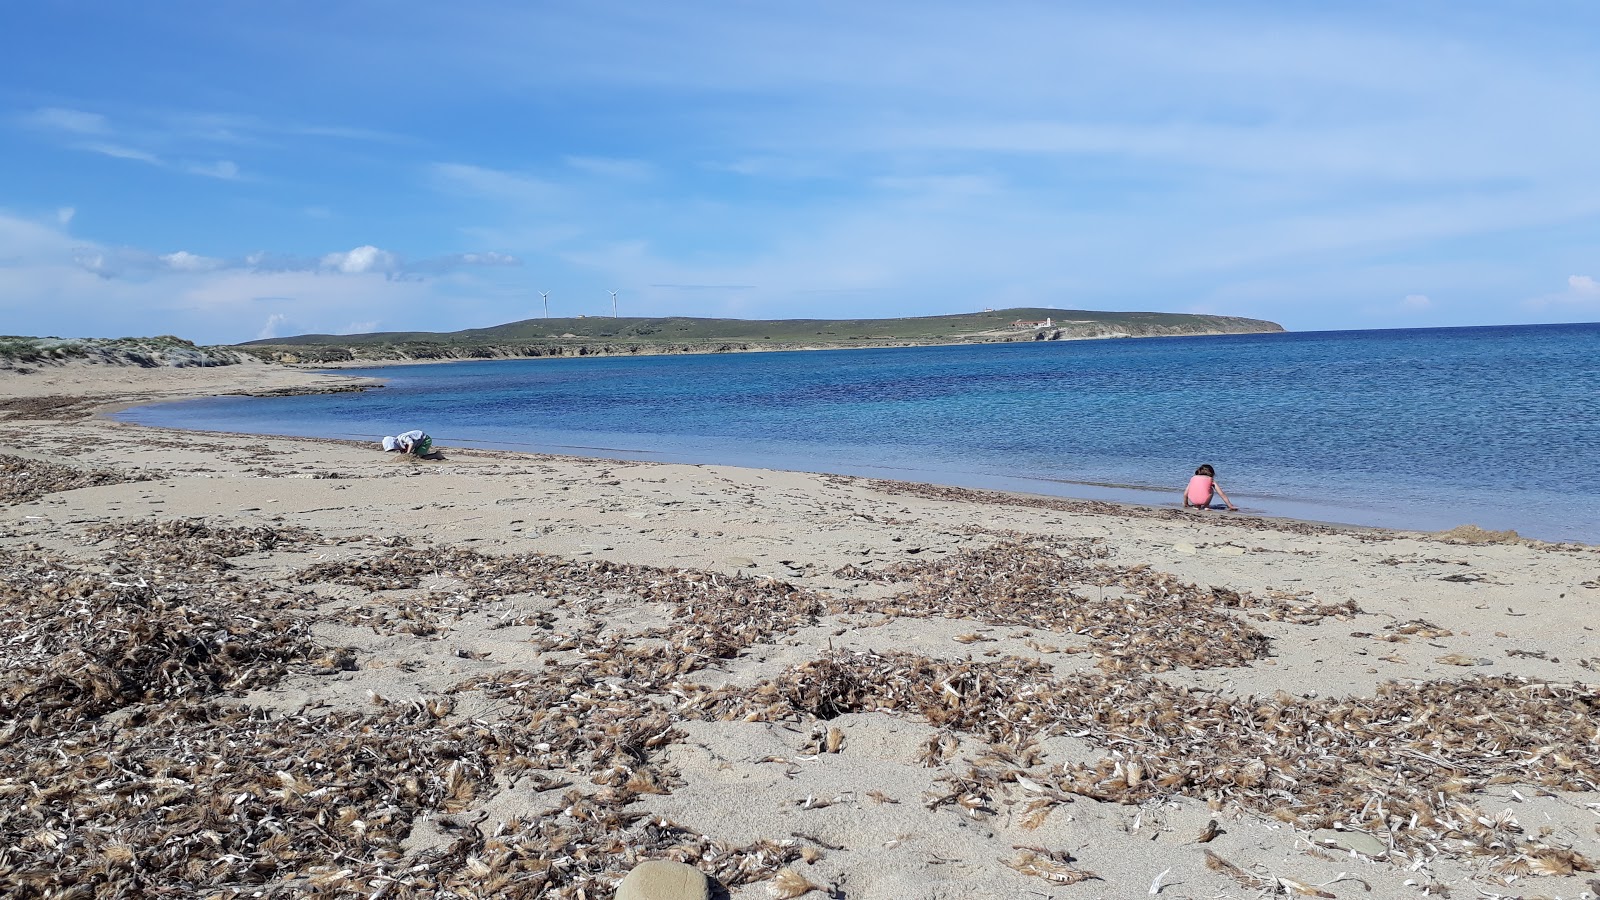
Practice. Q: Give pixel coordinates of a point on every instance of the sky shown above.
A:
(232, 171)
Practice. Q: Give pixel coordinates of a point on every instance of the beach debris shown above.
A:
(184, 545)
(1052, 865)
(1134, 618)
(82, 644)
(835, 741)
(1421, 628)
(129, 763)
(1399, 763)
(1267, 883)
(23, 480)
(51, 407)
(787, 884)
(1474, 534)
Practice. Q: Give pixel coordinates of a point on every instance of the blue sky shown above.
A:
(228, 171)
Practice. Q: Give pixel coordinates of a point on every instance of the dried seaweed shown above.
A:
(184, 544)
(82, 644)
(1403, 764)
(23, 480)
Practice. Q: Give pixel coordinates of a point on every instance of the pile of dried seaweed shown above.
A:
(179, 793)
(1401, 765)
(719, 615)
(177, 545)
(81, 644)
(23, 480)
(579, 850)
(1136, 619)
(55, 407)
(182, 793)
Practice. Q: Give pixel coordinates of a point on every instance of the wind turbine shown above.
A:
(613, 304)
(546, 296)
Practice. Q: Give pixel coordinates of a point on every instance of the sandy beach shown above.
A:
(241, 666)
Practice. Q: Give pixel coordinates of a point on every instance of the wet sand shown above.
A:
(499, 673)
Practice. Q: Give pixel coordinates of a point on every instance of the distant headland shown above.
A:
(608, 336)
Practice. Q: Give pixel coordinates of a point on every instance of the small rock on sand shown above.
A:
(661, 879)
(1359, 841)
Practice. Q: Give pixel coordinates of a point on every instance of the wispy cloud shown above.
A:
(118, 151)
(222, 168)
(363, 260)
(72, 121)
(181, 141)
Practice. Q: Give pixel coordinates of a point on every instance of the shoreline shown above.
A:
(886, 687)
(1291, 510)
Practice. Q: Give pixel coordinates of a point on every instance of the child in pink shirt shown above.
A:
(1202, 486)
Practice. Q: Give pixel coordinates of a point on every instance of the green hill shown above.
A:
(593, 335)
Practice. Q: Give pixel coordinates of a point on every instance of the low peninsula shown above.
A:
(609, 336)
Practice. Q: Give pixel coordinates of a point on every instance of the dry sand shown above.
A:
(895, 692)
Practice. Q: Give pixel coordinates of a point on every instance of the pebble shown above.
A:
(661, 879)
(1359, 841)
(741, 562)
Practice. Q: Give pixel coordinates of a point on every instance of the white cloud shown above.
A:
(1416, 302)
(53, 283)
(361, 327)
(184, 261)
(64, 215)
(361, 260)
(1582, 294)
(270, 330)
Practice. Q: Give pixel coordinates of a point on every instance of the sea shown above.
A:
(1421, 429)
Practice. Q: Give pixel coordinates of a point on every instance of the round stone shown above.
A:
(661, 879)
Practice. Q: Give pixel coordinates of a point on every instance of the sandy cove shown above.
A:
(305, 667)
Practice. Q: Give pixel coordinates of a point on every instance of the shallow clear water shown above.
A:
(1420, 428)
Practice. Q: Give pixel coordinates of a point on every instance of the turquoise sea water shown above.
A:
(1420, 428)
